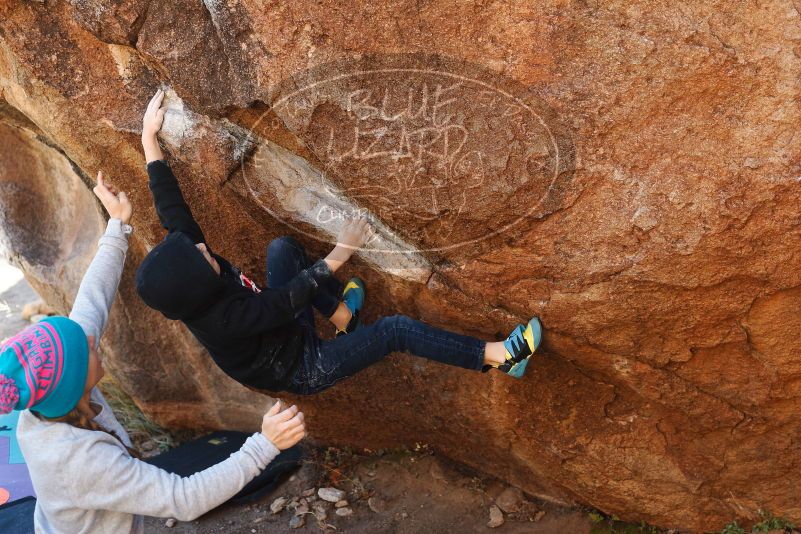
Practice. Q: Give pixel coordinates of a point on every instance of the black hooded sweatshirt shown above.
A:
(251, 334)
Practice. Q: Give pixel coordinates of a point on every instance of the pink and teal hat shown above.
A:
(44, 368)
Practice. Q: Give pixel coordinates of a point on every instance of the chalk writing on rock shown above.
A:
(445, 153)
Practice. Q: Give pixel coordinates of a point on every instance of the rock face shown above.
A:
(626, 171)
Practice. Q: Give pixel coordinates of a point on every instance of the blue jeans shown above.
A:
(326, 362)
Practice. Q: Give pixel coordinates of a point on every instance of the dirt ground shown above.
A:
(397, 492)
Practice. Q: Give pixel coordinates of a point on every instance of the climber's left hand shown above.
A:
(116, 202)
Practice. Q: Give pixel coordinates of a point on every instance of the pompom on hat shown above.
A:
(9, 394)
(44, 368)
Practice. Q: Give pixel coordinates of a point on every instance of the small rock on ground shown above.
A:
(319, 511)
(170, 523)
(278, 505)
(377, 504)
(297, 521)
(496, 517)
(331, 494)
(341, 504)
(510, 500)
(309, 492)
(344, 512)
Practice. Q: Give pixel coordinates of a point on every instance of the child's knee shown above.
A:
(282, 244)
(394, 328)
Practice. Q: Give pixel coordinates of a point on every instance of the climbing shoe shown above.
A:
(353, 296)
(520, 346)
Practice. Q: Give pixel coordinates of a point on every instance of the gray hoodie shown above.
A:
(86, 481)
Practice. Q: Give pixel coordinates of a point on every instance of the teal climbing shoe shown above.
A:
(353, 296)
(520, 346)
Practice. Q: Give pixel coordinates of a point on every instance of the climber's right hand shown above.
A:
(154, 116)
(355, 232)
(283, 426)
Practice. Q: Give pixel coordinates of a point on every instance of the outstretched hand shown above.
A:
(154, 115)
(283, 426)
(355, 232)
(116, 202)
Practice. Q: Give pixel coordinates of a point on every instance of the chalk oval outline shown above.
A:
(387, 70)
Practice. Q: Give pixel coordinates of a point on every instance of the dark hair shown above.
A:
(79, 419)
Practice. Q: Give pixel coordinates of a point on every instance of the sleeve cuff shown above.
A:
(266, 448)
(157, 162)
(320, 271)
(116, 234)
(304, 286)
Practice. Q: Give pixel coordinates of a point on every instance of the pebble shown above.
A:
(170, 523)
(539, 515)
(344, 512)
(377, 504)
(496, 517)
(278, 505)
(319, 511)
(510, 500)
(302, 508)
(341, 504)
(331, 494)
(309, 492)
(297, 521)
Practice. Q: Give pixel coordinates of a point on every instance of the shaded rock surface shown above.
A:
(626, 171)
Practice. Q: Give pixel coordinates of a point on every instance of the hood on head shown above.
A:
(176, 279)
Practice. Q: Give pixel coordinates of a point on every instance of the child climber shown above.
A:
(86, 476)
(265, 337)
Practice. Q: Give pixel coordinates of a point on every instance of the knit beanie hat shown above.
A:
(44, 367)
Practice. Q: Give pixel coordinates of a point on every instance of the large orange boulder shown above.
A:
(627, 171)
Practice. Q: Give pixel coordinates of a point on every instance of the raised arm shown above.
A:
(172, 209)
(99, 284)
(125, 484)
